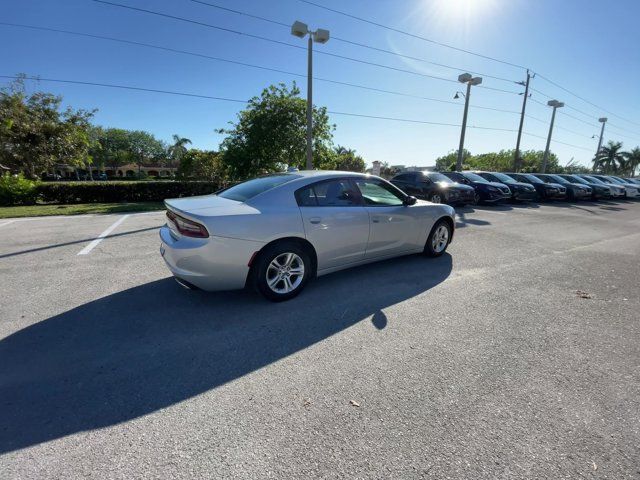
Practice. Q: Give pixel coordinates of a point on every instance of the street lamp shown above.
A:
(602, 120)
(301, 30)
(469, 80)
(555, 104)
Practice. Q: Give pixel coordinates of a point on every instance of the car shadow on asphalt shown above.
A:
(137, 351)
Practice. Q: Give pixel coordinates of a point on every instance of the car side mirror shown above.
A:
(409, 200)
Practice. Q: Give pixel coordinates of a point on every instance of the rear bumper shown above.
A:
(214, 263)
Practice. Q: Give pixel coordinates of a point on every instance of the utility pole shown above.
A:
(602, 120)
(310, 106)
(516, 159)
(555, 104)
(469, 80)
(301, 30)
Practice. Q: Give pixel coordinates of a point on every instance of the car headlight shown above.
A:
(491, 188)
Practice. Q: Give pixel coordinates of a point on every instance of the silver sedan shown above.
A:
(276, 232)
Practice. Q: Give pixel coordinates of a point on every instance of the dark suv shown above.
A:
(486, 191)
(546, 191)
(575, 191)
(434, 187)
(519, 191)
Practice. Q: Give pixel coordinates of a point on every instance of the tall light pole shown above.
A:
(469, 80)
(555, 104)
(301, 30)
(516, 158)
(602, 120)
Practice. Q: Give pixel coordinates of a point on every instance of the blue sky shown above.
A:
(590, 48)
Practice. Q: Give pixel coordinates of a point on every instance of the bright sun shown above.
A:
(464, 8)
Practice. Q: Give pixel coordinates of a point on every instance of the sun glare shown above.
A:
(464, 8)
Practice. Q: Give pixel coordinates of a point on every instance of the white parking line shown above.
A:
(6, 223)
(93, 244)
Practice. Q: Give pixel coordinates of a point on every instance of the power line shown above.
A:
(259, 37)
(557, 141)
(124, 87)
(351, 42)
(210, 97)
(585, 100)
(245, 64)
(487, 57)
(386, 27)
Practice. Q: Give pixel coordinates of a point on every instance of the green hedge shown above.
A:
(112, 192)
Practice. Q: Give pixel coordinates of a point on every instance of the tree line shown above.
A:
(269, 135)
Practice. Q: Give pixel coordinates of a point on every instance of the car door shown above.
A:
(335, 221)
(395, 227)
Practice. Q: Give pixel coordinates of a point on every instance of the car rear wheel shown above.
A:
(282, 271)
(438, 239)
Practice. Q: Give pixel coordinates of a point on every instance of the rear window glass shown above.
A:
(249, 189)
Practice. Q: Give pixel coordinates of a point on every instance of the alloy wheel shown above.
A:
(285, 273)
(440, 239)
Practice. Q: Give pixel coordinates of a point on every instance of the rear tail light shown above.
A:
(186, 227)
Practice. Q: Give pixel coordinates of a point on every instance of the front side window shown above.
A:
(377, 193)
(332, 193)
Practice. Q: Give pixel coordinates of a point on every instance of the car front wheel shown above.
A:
(438, 239)
(282, 271)
(435, 198)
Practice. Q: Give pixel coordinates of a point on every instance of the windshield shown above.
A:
(616, 180)
(532, 178)
(594, 180)
(558, 179)
(573, 179)
(249, 189)
(503, 178)
(438, 177)
(474, 178)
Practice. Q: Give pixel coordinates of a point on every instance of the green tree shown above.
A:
(178, 149)
(109, 147)
(270, 134)
(201, 165)
(448, 162)
(145, 149)
(345, 159)
(632, 161)
(36, 133)
(610, 159)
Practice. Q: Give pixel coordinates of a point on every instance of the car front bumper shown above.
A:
(214, 263)
(525, 195)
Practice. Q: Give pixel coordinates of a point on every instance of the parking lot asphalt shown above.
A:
(515, 355)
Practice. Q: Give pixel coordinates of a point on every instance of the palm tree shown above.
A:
(610, 158)
(632, 161)
(178, 149)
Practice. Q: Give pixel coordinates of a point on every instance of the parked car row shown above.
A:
(472, 187)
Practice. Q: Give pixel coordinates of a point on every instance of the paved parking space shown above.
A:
(484, 363)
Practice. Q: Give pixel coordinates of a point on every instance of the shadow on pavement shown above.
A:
(143, 349)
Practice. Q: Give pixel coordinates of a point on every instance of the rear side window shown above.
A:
(332, 193)
(405, 177)
(249, 189)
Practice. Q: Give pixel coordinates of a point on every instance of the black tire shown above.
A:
(432, 250)
(476, 198)
(263, 270)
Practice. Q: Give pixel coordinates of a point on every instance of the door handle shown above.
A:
(375, 219)
(315, 220)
